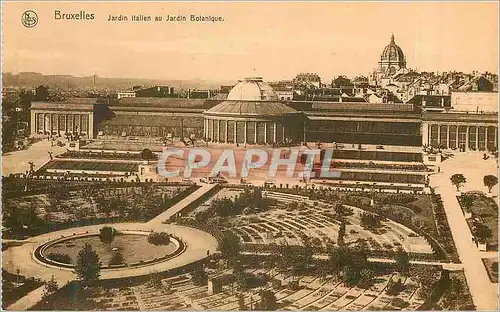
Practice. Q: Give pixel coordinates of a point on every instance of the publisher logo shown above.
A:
(29, 19)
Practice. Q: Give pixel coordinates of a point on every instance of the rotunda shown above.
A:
(252, 114)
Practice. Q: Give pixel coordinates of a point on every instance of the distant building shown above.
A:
(349, 113)
(478, 83)
(125, 94)
(199, 94)
(284, 94)
(474, 101)
(156, 91)
(431, 102)
(391, 65)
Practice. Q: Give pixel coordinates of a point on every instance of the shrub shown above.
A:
(370, 221)
(394, 288)
(293, 285)
(59, 257)
(159, 238)
(343, 211)
(482, 232)
(494, 267)
(199, 276)
(117, 259)
(400, 303)
(107, 234)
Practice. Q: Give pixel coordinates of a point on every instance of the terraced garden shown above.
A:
(331, 241)
(294, 222)
(180, 292)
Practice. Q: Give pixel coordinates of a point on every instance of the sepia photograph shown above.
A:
(249, 155)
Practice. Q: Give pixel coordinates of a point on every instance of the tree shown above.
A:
(340, 238)
(59, 257)
(107, 234)
(349, 275)
(25, 97)
(50, 288)
(9, 131)
(241, 277)
(343, 211)
(458, 180)
(294, 259)
(426, 278)
(482, 232)
(20, 219)
(467, 201)
(370, 221)
(490, 181)
(230, 246)
(338, 258)
(241, 302)
(87, 266)
(366, 277)
(155, 280)
(147, 154)
(199, 276)
(267, 301)
(402, 261)
(222, 207)
(394, 287)
(41, 93)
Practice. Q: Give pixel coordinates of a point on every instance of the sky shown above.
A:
(272, 40)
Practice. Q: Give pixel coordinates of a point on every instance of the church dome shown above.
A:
(392, 53)
(252, 89)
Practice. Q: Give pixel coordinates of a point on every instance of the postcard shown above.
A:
(249, 155)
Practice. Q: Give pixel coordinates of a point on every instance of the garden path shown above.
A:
(484, 293)
(17, 161)
(197, 244)
(178, 207)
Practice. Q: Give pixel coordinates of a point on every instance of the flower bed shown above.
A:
(132, 245)
(63, 204)
(491, 265)
(372, 165)
(484, 218)
(101, 155)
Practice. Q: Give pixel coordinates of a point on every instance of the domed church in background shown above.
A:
(392, 63)
(392, 59)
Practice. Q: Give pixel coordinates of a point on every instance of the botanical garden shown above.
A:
(278, 248)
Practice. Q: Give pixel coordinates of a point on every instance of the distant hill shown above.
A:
(32, 79)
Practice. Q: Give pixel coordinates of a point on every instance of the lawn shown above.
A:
(491, 265)
(407, 208)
